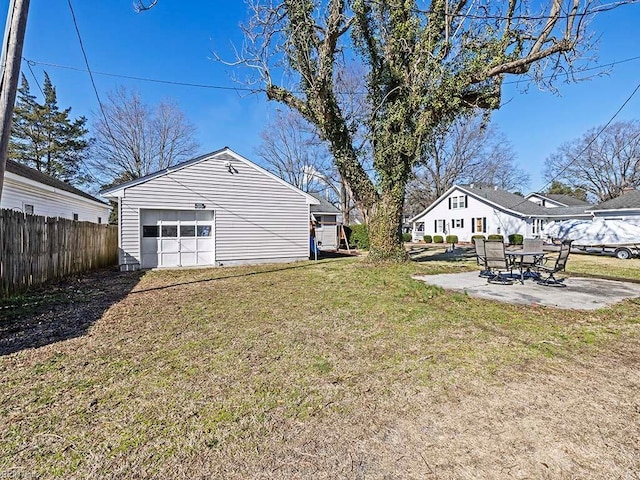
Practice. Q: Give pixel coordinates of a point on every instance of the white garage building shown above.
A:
(217, 209)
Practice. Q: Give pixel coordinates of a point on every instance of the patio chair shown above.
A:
(530, 262)
(496, 262)
(559, 266)
(481, 257)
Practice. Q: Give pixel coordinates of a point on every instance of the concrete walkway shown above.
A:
(580, 293)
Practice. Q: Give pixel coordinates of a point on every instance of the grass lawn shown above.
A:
(334, 369)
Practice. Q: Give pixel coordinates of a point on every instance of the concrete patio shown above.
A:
(579, 293)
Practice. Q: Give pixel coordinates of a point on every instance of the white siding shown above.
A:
(257, 218)
(497, 221)
(48, 201)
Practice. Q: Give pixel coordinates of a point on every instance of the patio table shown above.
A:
(513, 254)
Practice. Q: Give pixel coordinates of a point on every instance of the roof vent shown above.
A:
(471, 186)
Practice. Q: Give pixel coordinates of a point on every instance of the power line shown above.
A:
(93, 83)
(245, 89)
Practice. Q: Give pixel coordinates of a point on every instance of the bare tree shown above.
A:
(292, 150)
(469, 150)
(132, 139)
(602, 162)
(427, 63)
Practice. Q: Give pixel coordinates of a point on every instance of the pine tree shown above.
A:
(46, 138)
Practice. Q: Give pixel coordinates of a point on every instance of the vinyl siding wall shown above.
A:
(49, 202)
(497, 221)
(257, 218)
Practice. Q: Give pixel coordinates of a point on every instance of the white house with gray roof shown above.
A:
(33, 192)
(465, 211)
(216, 209)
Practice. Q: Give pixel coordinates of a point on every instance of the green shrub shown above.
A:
(478, 236)
(516, 239)
(406, 237)
(438, 239)
(359, 237)
(495, 236)
(428, 239)
(452, 239)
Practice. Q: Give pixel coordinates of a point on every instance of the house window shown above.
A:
(75, 216)
(28, 209)
(440, 226)
(458, 202)
(318, 221)
(99, 219)
(420, 227)
(457, 223)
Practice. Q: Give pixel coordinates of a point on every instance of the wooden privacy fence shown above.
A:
(36, 249)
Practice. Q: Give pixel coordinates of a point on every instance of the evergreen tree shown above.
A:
(46, 138)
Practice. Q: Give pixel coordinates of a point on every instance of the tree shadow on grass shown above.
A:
(443, 253)
(61, 310)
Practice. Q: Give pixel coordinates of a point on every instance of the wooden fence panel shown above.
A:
(36, 249)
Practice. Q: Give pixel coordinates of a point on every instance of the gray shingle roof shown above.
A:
(508, 200)
(37, 176)
(630, 199)
(324, 207)
(568, 211)
(565, 199)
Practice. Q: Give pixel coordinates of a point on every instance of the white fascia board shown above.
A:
(57, 191)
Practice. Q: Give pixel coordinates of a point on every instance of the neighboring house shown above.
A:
(216, 209)
(554, 200)
(625, 207)
(30, 191)
(325, 215)
(466, 211)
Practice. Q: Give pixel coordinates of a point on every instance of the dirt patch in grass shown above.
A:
(334, 369)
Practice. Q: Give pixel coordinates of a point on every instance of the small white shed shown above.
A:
(325, 215)
(216, 209)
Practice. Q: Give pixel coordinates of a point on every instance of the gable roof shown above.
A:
(37, 176)
(510, 202)
(565, 199)
(506, 200)
(561, 198)
(628, 200)
(111, 191)
(325, 205)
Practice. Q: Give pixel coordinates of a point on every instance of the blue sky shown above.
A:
(174, 42)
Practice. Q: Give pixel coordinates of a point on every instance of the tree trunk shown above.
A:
(385, 228)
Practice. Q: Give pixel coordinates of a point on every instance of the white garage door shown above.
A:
(177, 238)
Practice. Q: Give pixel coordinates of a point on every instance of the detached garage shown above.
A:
(217, 209)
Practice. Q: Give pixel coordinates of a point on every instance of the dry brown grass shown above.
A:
(334, 369)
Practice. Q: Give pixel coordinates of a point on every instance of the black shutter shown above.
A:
(473, 225)
(466, 201)
(462, 223)
(435, 226)
(484, 225)
(449, 203)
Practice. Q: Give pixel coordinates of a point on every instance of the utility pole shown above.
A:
(11, 58)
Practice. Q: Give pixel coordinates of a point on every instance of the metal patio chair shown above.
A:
(530, 263)
(559, 266)
(481, 257)
(496, 262)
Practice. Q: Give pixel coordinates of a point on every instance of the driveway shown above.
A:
(579, 293)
